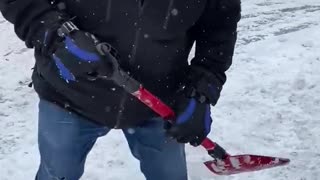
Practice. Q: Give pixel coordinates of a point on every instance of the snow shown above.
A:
(270, 104)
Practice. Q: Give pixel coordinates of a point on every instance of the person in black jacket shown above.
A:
(151, 40)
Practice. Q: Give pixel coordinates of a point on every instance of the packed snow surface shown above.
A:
(269, 106)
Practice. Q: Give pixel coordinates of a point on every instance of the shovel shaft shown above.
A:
(146, 97)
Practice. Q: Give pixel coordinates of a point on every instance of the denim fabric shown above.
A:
(65, 139)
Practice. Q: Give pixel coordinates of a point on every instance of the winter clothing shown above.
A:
(193, 122)
(77, 56)
(154, 39)
(201, 85)
(62, 158)
(44, 36)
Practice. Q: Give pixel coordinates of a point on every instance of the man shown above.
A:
(153, 39)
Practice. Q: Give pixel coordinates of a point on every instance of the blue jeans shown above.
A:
(65, 139)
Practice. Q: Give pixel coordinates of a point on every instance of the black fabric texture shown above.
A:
(153, 38)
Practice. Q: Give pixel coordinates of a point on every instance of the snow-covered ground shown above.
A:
(270, 104)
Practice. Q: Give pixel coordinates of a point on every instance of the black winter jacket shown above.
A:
(154, 39)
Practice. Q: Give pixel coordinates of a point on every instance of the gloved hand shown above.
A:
(77, 54)
(81, 55)
(193, 122)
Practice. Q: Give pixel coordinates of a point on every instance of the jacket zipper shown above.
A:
(133, 53)
(137, 33)
(135, 46)
(108, 15)
(166, 20)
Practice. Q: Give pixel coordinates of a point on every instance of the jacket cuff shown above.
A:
(203, 85)
(48, 21)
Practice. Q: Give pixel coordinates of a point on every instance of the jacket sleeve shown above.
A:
(215, 34)
(27, 16)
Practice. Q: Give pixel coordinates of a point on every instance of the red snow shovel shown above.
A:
(222, 163)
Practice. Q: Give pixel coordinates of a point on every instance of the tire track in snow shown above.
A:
(275, 22)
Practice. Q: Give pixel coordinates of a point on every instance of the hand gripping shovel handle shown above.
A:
(214, 150)
(136, 89)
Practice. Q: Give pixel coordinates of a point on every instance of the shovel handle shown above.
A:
(146, 97)
(135, 88)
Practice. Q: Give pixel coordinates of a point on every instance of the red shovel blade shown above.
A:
(244, 163)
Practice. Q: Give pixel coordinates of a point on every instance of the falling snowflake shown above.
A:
(174, 12)
(131, 131)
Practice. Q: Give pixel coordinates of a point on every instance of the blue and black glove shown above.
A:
(193, 122)
(78, 55)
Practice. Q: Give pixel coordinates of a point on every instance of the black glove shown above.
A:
(193, 122)
(77, 54)
(81, 55)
